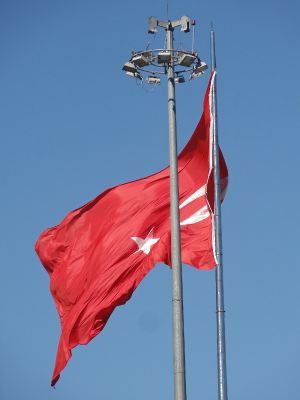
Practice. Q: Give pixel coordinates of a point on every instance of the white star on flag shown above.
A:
(145, 244)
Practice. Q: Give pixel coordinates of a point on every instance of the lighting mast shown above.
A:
(150, 66)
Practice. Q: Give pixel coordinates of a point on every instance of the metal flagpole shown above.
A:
(177, 292)
(220, 311)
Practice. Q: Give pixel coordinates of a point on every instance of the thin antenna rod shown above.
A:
(193, 35)
(220, 311)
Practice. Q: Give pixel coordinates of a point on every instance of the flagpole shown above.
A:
(220, 311)
(177, 291)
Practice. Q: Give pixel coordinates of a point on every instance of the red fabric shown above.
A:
(92, 256)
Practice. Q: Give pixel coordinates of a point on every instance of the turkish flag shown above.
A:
(101, 251)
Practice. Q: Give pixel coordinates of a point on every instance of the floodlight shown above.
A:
(186, 59)
(195, 75)
(152, 25)
(164, 57)
(142, 59)
(185, 23)
(179, 79)
(136, 75)
(198, 70)
(153, 80)
(129, 67)
(200, 67)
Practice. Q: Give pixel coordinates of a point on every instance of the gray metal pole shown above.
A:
(220, 311)
(177, 293)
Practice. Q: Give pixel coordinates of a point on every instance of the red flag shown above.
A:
(101, 251)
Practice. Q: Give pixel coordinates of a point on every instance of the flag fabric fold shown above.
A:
(100, 252)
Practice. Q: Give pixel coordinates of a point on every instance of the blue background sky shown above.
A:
(72, 125)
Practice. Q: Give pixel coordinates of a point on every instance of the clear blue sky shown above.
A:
(72, 125)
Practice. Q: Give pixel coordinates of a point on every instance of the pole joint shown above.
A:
(169, 26)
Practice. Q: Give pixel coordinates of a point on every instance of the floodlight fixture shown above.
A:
(195, 75)
(186, 59)
(136, 75)
(164, 57)
(153, 80)
(152, 25)
(198, 70)
(142, 59)
(185, 23)
(129, 67)
(201, 67)
(179, 79)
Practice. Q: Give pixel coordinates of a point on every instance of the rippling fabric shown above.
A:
(101, 251)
